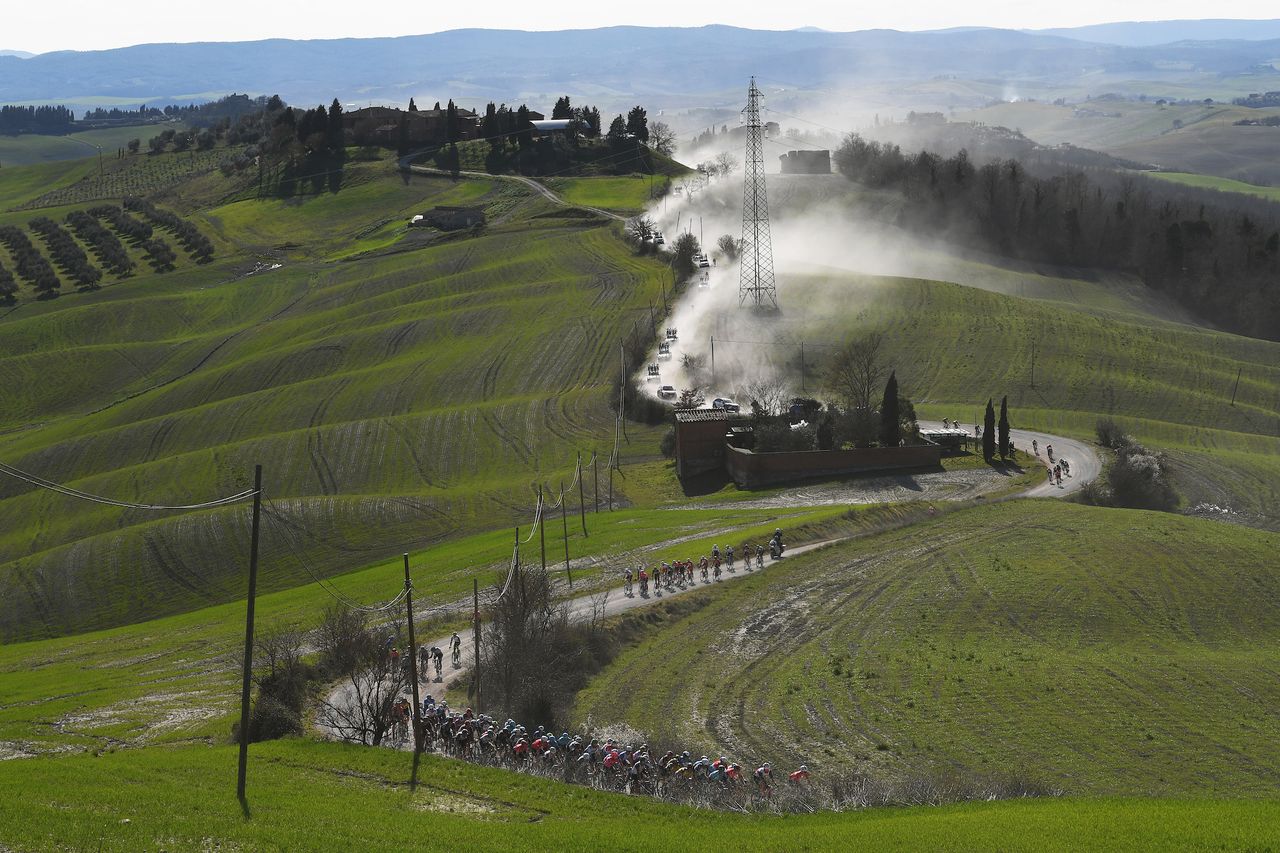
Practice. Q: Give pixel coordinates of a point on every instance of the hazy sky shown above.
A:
(84, 25)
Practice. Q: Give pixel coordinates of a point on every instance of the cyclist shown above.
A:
(763, 777)
(702, 564)
(759, 556)
(728, 556)
(626, 583)
(798, 776)
(1035, 447)
(455, 645)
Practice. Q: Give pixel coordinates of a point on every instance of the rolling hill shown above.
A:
(395, 388)
(1092, 651)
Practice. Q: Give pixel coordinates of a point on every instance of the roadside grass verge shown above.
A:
(314, 796)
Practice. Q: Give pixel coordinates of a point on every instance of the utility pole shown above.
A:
(542, 528)
(1033, 364)
(582, 504)
(622, 390)
(610, 488)
(713, 360)
(564, 522)
(1239, 370)
(595, 476)
(413, 659)
(802, 388)
(475, 634)
(248, 632)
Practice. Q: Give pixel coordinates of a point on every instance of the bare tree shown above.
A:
(726, 163)
(856, 372)
(690, 398)
(639, 227)
(769, 394)
(361, 708)
(730, 247)
(529, 653)
(662, 138)
(694, 367)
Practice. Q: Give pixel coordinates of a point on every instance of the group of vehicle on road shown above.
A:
(669, 575)
(1056, 468)
(606, 764)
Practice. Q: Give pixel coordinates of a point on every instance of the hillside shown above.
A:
(667, 67)
(399, 387)
(1095, 651)
(1101, 344)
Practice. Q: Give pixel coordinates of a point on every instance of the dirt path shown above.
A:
(529, 182)
(1086, 466)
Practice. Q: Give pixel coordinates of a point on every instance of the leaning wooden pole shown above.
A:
(564, 522)
(475, 640)
(248, 632)
(582, 504)
(542, 528)
(413, 659)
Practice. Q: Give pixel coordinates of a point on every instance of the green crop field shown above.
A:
(412, 393)
(27, 149)
(1226, 185)
(192, 654)
(629, 194)
(1094, 651)
(954, 346)
(310, 796)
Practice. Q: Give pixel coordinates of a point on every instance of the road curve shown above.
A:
(529, 182)
(1086, 466)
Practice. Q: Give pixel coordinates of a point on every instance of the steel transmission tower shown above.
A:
(756, 284)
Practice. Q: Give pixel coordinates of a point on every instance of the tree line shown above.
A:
(1218, 255)
(42, 119)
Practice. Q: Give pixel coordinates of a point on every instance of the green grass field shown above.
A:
(954, 346)
(405, 395)
(1226, 185)
(116, 671)
(309, 796)
(29, 149)
(1093, 651)
(630, 194)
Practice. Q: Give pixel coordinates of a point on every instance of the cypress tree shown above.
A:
(890, 423)
(989, 432)
(1004, 427)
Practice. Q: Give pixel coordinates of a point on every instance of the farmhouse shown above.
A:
(712, 439)
(382, 126)
(806, 163)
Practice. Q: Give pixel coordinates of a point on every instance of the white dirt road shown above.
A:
(1086, 465)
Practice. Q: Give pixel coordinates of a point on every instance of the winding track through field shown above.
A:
(1086, 466)
(521, 179)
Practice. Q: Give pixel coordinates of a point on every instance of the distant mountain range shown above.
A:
(20, 54)
(1151, 33)
(662, 67)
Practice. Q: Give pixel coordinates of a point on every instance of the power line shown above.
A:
(42, 483)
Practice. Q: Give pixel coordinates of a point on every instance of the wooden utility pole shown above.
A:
(542, 528)
(622, 390)
(1239, 370)
(475, 636)
(713, 360)
(610, 488)
(564, 522)
(1033, 364)
(248, 632)
(413, 659)
(582, 504)
(802, 388)
(595, 476)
